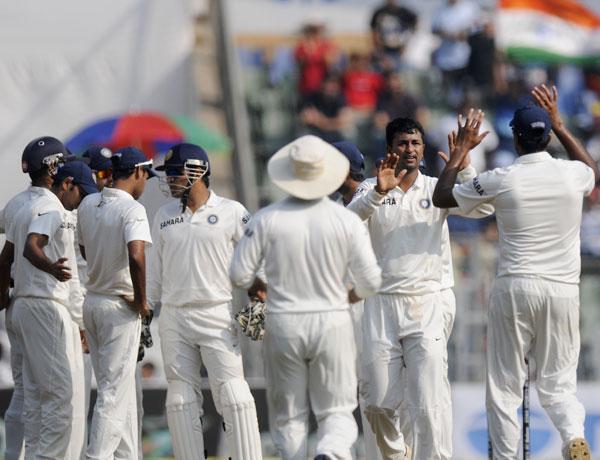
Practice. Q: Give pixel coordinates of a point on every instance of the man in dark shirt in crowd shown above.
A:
(325, 112)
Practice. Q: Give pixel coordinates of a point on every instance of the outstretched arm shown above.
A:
(466, 138)
(548, 99)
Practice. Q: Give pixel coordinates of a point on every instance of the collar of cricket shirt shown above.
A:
(111, 192)
(419, 183)
(213, 200)
(533, 157)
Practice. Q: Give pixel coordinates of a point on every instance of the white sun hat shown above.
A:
(308, 168)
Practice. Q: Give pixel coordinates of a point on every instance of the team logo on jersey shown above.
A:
(166, 223)
(425, 203)
(212, 219)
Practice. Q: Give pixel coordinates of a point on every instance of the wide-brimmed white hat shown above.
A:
(308, 168)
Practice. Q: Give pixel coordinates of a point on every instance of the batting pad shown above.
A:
(183, 418)
(241, 423)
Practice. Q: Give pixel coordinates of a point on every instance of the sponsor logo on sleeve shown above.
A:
(477, 186)
(246, 218)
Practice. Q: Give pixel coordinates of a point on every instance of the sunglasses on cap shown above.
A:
(104, 173)
(143, 164)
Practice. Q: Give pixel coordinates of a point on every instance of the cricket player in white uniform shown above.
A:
(47, 309)
(308, 245)
(13, 417)
(407, 325)
(113, 231)
(346, 191)
(534, 304)
(194, 238)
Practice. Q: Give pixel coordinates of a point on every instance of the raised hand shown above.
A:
(387, 177)
(60, 270)
(451, 145)
(468, 136)
(547, 99)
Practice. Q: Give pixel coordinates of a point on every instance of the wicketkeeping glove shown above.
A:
(252, 319)
(145, 336)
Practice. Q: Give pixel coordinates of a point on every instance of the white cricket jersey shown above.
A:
(409, 235)
(538, 201)
(45, 215)
(192, 251)
(106, 223)
(307, 248)
(14, 205)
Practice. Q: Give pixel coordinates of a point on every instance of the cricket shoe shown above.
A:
(578, 449)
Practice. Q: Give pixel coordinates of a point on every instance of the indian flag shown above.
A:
(548, 30)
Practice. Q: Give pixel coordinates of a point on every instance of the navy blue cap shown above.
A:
(180, 153)
(532, 123)
(81, 173)
(350, 151)
(129, 158)
(99, 158)
(42, 152)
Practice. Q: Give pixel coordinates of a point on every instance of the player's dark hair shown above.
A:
(402, 125)
(119, 174)
(532, 145)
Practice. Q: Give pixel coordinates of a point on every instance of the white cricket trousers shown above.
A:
(405, 356)
(53, 379)
(369, 441)
(113, 333)
(537, 318)
(310, 358)
(13, 418)
(189, 337)
(192, 336)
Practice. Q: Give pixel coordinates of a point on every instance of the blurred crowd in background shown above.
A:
(337, 92)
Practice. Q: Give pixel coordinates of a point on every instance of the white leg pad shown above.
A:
(183, 418)
(241, 423)
(389, 438)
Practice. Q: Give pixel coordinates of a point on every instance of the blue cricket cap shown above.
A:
(129, 158)
(354, 156)
(177, 156)
(42, 152)
(531, 123)
(81, 173)
(99, 158)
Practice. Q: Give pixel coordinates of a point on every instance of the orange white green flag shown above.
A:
(548, 30)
